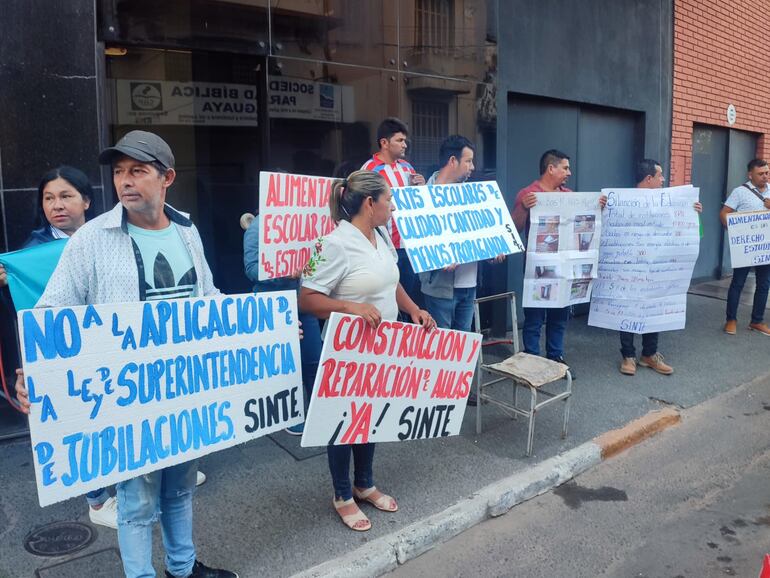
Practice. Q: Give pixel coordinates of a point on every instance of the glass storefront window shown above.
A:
(221, 25)
(206, 106)
(323, 116)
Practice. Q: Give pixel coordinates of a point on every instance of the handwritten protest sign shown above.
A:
(120, 390)
(647, 254)
(397, 382)
(749, 235)
(442, 225)
(562, 249)
(293, 213)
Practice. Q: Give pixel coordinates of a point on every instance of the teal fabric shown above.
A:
(29, 270)
(168, 268)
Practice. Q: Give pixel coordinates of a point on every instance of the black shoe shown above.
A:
(561, 360)
(472, 400)
(202, 571)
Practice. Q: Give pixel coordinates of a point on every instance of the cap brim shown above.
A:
(108, 155)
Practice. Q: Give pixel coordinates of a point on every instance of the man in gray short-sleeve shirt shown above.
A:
(753, 195)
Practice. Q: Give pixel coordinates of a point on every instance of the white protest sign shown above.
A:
(648, 250)
(293, 214)
(442, 225)
(393, 383)
(120, 390)
(749, 235)
(170, 102)
(562, 249)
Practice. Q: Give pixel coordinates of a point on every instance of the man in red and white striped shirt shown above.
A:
(389, 161)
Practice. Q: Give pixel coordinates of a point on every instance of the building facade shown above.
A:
(720, 109)
(241, 86)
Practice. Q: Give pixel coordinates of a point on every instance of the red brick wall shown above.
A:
(721, 56)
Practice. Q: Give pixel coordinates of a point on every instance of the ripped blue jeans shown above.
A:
(166, 495)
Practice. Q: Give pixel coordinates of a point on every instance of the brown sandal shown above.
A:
(383, 502)
(357, 521)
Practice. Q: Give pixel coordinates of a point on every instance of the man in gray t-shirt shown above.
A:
(753, 195)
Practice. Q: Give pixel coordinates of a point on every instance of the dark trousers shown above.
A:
(649, 344)
(339, 466)
(409, 280)
(762, 274)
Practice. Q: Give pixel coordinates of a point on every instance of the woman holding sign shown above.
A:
(354, 271)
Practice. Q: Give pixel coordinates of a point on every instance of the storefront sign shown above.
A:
(121, 390)
(304, 99)
(166, 102)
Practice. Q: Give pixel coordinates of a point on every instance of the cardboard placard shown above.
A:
(452, 224)
(123, 389)
(393, 383)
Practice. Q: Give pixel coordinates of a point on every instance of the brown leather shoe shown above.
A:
(761, 327)
(656, 362)
(628, 366)
(731, 327)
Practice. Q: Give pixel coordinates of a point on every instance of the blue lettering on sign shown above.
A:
(52, 341)
(100, 453)
(44, 453)
(91, 317)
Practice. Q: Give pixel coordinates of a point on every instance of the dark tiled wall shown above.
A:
(48, 102)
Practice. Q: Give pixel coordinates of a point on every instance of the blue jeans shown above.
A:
(555, 321)
(649, 344)
(166, 494)
(310, 351)
(762, 274)
(339, 466)
(455, 313)
(97, 497)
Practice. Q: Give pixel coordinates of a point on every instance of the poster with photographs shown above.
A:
(562, 249)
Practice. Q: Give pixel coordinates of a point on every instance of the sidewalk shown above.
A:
(266, 508)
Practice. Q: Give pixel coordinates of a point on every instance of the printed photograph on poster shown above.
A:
(547, 239)
(585, 223)
(545, 292)
(583, 270)
(584, 241)
(563, 247)
(579, 290)
(546, 271)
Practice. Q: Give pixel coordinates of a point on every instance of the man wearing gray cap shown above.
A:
(141, 250)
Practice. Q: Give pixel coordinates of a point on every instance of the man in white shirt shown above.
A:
(753, 195)
(141, 250)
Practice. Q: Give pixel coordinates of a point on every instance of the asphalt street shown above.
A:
(691, 502)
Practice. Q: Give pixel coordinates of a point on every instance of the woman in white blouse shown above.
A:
(354, 271)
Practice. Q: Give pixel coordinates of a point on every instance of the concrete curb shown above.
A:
(388, 552)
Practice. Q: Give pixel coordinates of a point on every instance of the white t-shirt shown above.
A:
(742, 200)
(465, 275)
(348, 267)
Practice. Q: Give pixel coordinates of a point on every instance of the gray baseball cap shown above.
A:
(140, 145)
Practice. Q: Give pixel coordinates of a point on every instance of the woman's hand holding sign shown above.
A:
(369, 312)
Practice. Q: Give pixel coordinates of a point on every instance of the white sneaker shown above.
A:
(107, 515)
(200, 478)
